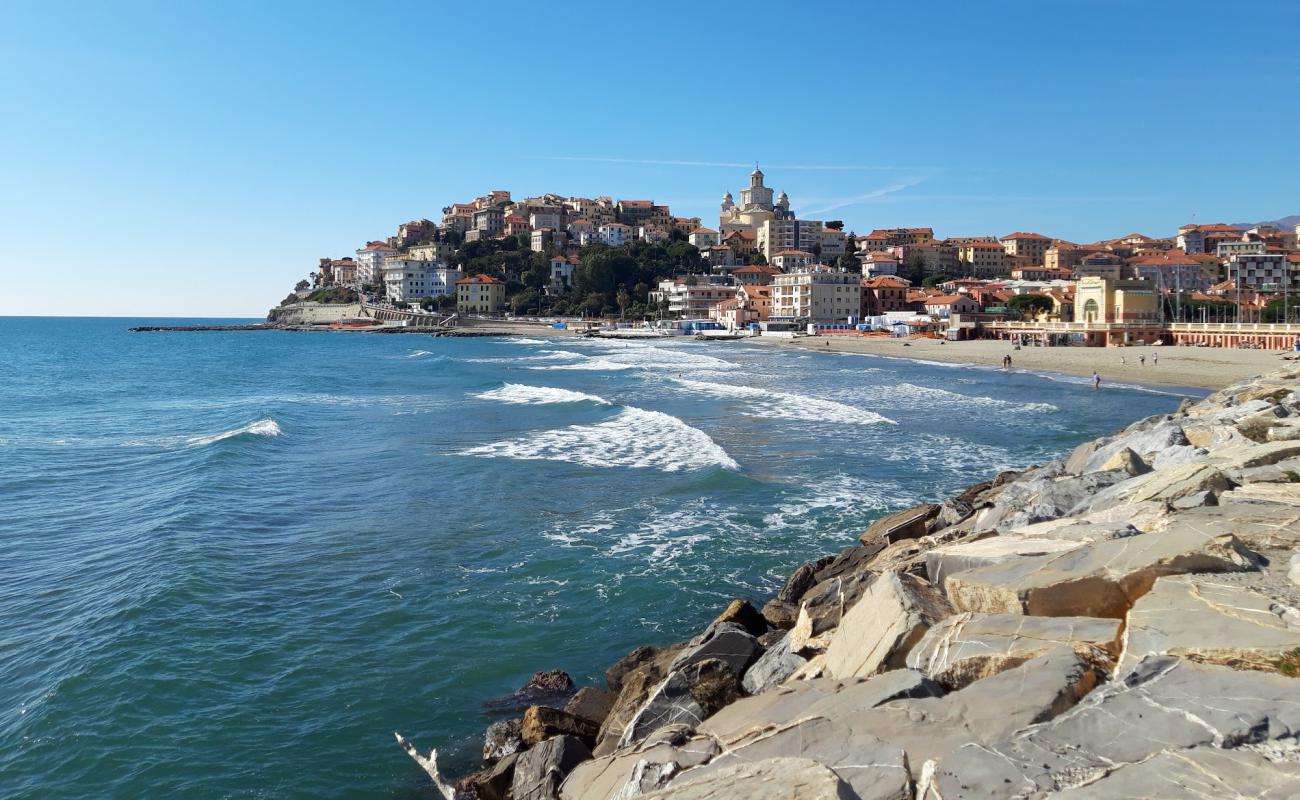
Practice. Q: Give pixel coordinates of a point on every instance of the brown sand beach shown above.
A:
(1194, 367)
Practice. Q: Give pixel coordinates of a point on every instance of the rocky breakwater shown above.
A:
(1120, 622)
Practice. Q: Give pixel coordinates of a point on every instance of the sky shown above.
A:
(197, 159)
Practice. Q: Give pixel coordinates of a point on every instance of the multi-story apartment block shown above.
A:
(1032, 246)
(370, 263)
(1271, 270)
(775, 235)
(410, 279)
(982, 259)
(821, 297)
(480, 294)
(432, 251)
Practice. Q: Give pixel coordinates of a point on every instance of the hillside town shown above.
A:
(762, 269)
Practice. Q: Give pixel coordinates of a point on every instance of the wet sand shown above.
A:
(1193, 367)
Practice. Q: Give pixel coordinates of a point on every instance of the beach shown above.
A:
(1194, 367)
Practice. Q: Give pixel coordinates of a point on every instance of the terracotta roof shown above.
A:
(1023, 235)
(702, 230)
(792, 253)
(481, 278)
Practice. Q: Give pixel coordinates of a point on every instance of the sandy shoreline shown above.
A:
(1189, 367)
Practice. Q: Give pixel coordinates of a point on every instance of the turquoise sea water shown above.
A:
(232, 564)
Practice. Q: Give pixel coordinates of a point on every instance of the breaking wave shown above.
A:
(520, 394)
(588, 364)
(633, 437)
(783, 405)
(945, 396)
(262, 427)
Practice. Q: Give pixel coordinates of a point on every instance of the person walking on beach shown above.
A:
(1096, 380)
(1123, 361)
(1142, 360)
(1155, 359)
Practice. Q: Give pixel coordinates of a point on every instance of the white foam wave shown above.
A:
(632, 438)
(418, 354)
(538, 395)
(931, 394)
(784, 405)
(588, 365)
(521, 340)
(262, 427)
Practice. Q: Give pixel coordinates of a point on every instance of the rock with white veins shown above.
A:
(1102, 579)
(965, 648)
(1198, 773)
(605, 776)
(1164, 704)
(1197, 618)
(773, 779)
(880, 630)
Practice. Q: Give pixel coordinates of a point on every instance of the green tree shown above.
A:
(756, 259)
(913, 269)
(849, 263)
(1028, 304)
(1279, 310)
(526, 302)
(934, 280)
(622, 298)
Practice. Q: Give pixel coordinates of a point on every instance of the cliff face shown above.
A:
(1120, 622)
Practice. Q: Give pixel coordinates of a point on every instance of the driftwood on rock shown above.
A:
(428, 764)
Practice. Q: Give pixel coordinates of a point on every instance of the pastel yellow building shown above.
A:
(1099, 300)
(480, 294)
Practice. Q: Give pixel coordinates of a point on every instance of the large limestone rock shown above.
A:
(636, 676)
(740, 612)
(1028, 501)
(773, 779)
(984, 712)
(540, 770)
(1259, 526)
(501, 739)
(967, 647)
(873, 769)
(690, 693)
(1146, 444)
(1127, 461)
(633, 771)
(880, 630)
(591, 704)
(819, 697)
(944, 561)
(1200, 619)
(1165, 704)
(776, 664)
(1102, 579)
(1163, 485)
(907, 524)
(1197, 772)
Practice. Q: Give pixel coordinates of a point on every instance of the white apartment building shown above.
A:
(614, 234)
(821, 297)
(693, 298)
(545, 219)
(1263, 269)
(370, 263)
(704, 238)
(433, 251)
(410, 279)
(776, 235)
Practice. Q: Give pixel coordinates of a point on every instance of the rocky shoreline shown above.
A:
(1120, 622)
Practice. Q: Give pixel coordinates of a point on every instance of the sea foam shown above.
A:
(633, 437)
(784, 405)
(520, 394)
(262, 427)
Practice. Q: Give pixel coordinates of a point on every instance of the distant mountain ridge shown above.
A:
(1285, 223)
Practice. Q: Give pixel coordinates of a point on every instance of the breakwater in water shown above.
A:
(1121, 621)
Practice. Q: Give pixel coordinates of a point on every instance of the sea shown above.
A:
(233, 564)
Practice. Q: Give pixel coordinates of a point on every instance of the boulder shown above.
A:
(591, 704)
(1163, 485)
(496, 783)
(636, 770)
(776, 664)
(907, 524)
(1203, 620)
(1034, 501)
(1101, 579)
(639, 657)
(965, 648)
(725, 641)
(817, 582)
(1213, 772)
(552, 687)
(1254, 455)
(826, 602)
(881, 628)
(540, 770)
(873, 769)
(501, 739)
(944, 561)
(1077, 461)
(689, 694)
(1147, 443)
(740, 612)
(1127, 461)
(635, 685)
(1165, 704)
(819, 697)
(1259, 526)
(1293, 569)
(541, 723)
(951, 512)
(773, 779)
(984, 712)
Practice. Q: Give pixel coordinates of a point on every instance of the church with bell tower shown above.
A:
(755, 208)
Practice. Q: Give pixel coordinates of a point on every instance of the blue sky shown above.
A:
(197, 158)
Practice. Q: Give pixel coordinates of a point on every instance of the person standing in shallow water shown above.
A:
(1096, 380)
